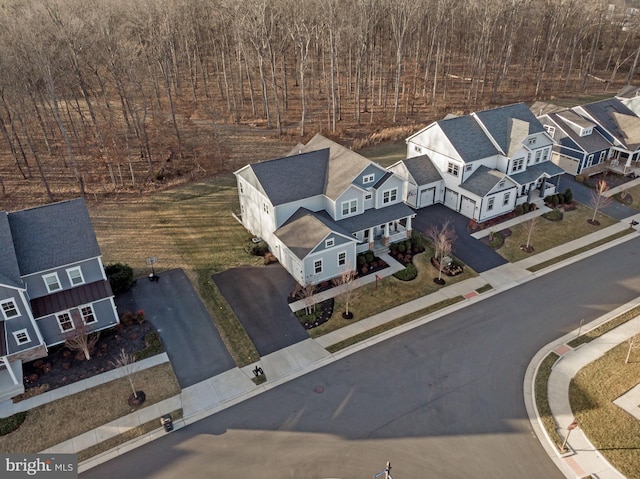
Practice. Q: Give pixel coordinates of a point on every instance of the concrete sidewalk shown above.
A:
(583, 458)
(236, 385)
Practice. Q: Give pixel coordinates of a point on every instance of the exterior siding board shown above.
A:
(91, 272)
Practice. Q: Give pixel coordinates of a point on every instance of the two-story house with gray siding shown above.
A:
(481, 165)
(52, 282)
(320, 206)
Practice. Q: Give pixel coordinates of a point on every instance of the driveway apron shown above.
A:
(466, 248)
(258, 297)
(188, 334)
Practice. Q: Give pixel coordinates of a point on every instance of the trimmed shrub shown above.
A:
(401, 248)
(257, 249)
(555, 201)
(568, 195)
(393, 247)
(553, 215)
(407, 274)
(519, 210)
(561, 199)
(11, 423)
(580, 178)
(525, 207)
(547, 199)
(361, 260)
(369, 256)
(120, 277)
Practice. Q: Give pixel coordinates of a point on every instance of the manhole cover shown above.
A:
(319, 389)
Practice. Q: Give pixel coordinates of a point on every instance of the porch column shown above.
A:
(385, 234)
(408, 226)
(371, 239)
(10, 369)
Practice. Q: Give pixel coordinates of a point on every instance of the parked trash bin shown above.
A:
(167, 422)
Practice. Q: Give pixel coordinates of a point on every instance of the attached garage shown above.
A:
(451, 199)
(427, 197)
(568, 164)
(467, 207)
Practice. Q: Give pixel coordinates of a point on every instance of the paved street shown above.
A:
(444, 400)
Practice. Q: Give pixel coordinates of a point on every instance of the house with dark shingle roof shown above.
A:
(52, 283)
(320, 206)
(481, 159)
(620, 126)
(578, 144)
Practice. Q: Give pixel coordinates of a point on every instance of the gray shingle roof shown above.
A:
(468, 138)
(610, 114)
(422, 169)
(293, 177)
(302, 232)
(374, 217)
(483, 180)
(9, 271)
(498, 122)
(590, 143)
(53, 235)
(533, 172)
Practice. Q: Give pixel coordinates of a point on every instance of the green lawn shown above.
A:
(549, 234)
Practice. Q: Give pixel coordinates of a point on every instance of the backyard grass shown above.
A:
(614, 432)
(549, 234)
(385, 154)
(389, 293)
(55, 422)
(190, 227)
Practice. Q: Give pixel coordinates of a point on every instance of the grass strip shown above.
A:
(605, 327)
(542, 398)
(132, 433)
(484, 289)
(578, 251)
(392, 324)
(57, 421)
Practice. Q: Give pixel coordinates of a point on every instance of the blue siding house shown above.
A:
(52, 282)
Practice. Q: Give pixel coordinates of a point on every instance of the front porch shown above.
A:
(384, 235)
(10, 379)
(620, 167)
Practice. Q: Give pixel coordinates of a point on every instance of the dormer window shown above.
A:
(349, 207)
(531, 141)
(468, 168)
(586, 131)
(550, 129)
(417, 149)
(518, 164)
(453, 169)
(501, 184)
(368, 179)
(329, 242)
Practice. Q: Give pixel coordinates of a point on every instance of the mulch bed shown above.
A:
(612, 179)
(63, 366)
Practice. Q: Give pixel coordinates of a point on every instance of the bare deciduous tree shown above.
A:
(599, 200)
(529, 227)
(441, 238)
(80, 339)
(632, 345)
(125, 361)
(348, 288)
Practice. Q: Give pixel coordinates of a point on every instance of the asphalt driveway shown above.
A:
(469, 250)
(258, 297)
(583, 194)
(190, 339)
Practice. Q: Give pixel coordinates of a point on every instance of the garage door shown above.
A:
(467, 207)
(451, 199)
(570, 165)
(426, 197)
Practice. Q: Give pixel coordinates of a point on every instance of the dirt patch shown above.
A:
(63, 366)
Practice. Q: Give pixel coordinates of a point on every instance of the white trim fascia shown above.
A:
(32, 319)
(62, 266)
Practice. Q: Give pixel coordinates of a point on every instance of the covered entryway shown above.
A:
(451, 199)
(468, 207)
(427, 197)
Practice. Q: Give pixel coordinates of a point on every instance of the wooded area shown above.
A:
(119, 96)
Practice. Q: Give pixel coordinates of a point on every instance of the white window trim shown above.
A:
(518, 164)
(15, 307)
(18, 333)
(368, 196)
(351, 207)
(68, 313)
(453, 169)
(345, 258)
(506, 198)
(93, 313)
(388, 199)
(315, 269)
(531, 141)
(538, 156)
(490, 203)
(51, 275)
(368, 179)
(79, 270)
(329, 243)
